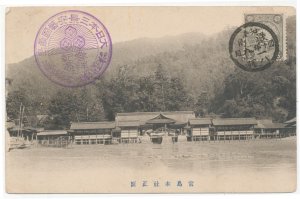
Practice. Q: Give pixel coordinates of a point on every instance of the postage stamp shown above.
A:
(277, 23)
(253, 47)
(73, 48)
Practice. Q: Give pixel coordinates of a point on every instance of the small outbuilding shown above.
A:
(233, 128)
(92, 132)
(268, 129)
(53, 138)
(199, 129)
(129, 131)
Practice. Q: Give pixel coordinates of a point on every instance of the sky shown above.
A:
(127, 23)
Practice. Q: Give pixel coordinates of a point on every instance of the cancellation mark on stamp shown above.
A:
(253, 47)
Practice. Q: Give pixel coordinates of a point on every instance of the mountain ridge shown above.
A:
(201, 61)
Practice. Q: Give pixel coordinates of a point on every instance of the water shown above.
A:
(243, 166)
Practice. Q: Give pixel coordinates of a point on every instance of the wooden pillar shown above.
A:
(279, 135)
(248, 135)
(200, 135)
(209, 135)
(36, 139)
(129, 138)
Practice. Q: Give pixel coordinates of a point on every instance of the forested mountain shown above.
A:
(267, 94)
(183, 55)
(185, 72)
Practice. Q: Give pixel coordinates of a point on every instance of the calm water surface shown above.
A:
(256, 165)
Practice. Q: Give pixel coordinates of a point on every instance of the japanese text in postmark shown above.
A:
(73, 48)
(253, 47)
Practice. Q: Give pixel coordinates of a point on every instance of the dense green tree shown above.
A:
(13, 102)
(269, 93)
(201, 106)
(63, 108)
(168, 80)
(154, 92)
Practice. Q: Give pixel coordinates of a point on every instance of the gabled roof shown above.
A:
(179, 116)
(291, 121)
(52, 132)
(234, 121)
(27, 129)
(131, 123)
(160, 119)
(10, 125)
(268, 124)
(199, 121)
(156, 113)
(261, 123)
(92, 125)
(274, 126)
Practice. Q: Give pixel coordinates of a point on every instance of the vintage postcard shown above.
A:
(150, 99)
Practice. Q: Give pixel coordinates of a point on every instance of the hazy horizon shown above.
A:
(136, 39)
(136, 22)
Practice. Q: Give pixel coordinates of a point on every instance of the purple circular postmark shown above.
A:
(73, 48)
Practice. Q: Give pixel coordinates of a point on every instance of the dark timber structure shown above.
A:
(199, 129)
(129, 131)
(53, 138)
(92, 132)
(291, 126)
(233, 128)
(268, 129)
(159, 126)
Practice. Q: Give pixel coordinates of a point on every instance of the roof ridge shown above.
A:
(156, 112)
(203, 118)
(234, 118)
(129, 121)
(93, 122)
